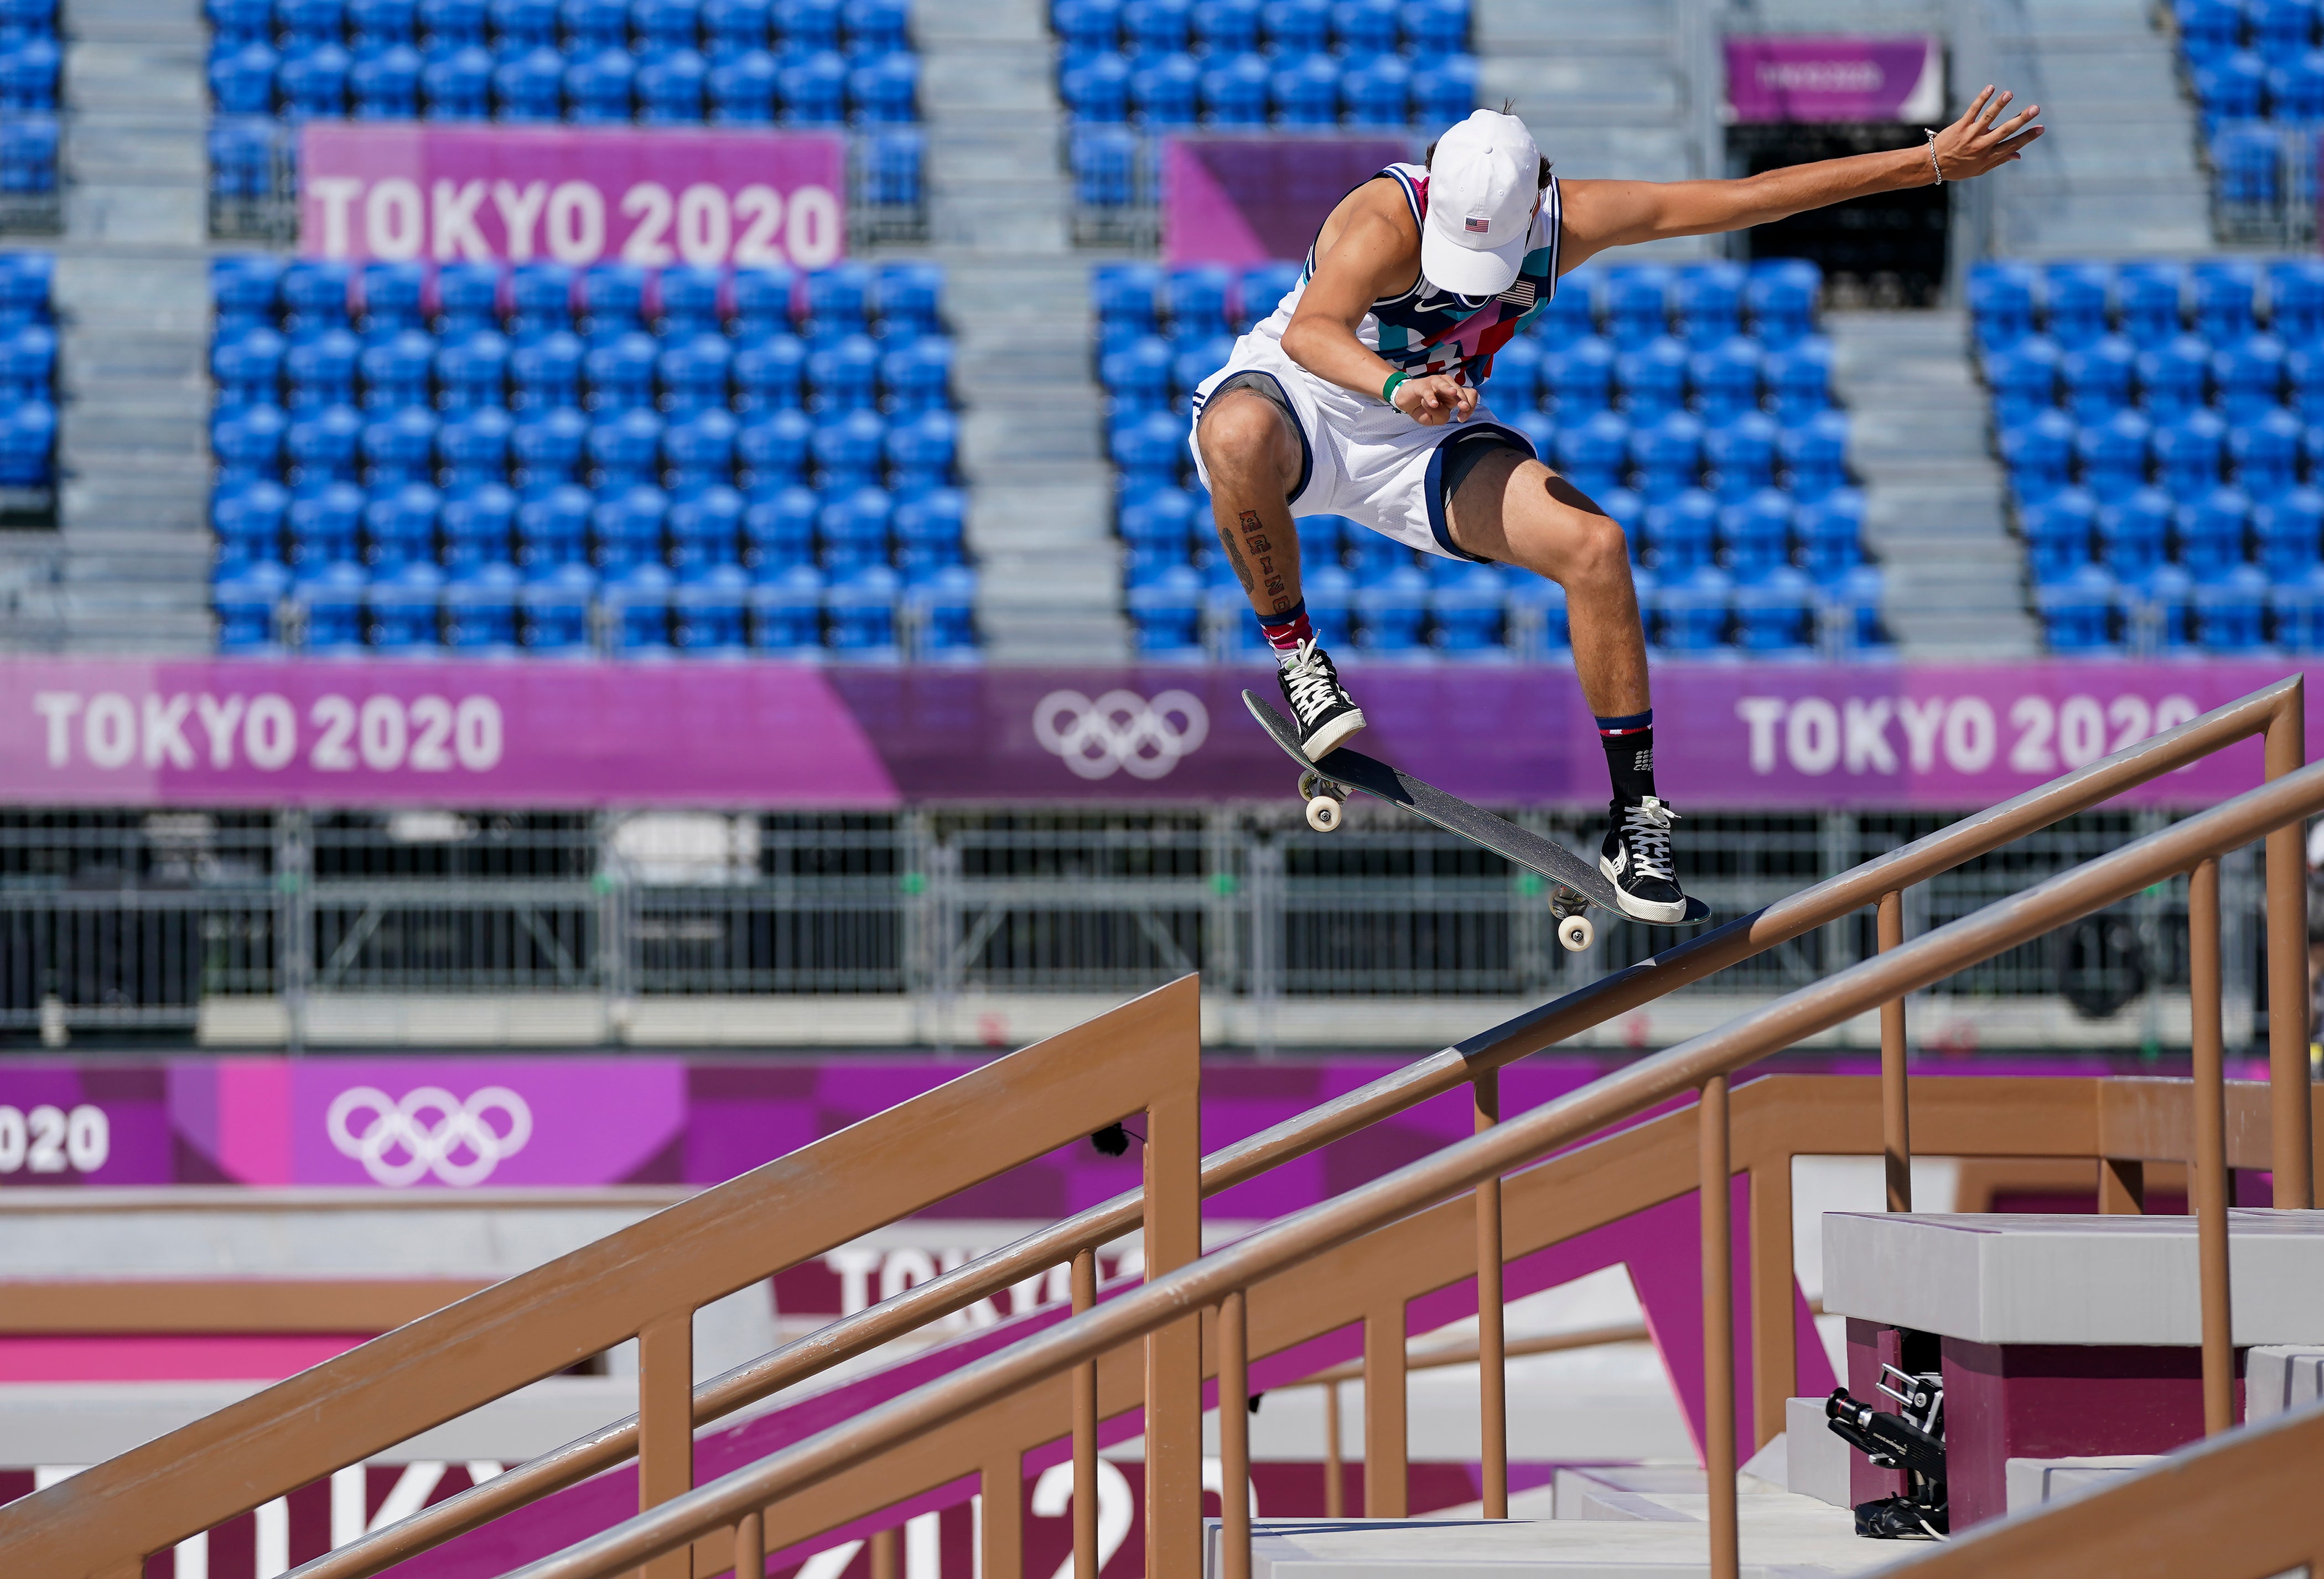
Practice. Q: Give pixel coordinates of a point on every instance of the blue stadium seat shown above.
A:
(1815, 456)
(2173, 377)
(2250, 375)
(2096, 375)
(541, 297)
(1799, 378)
(851, 528)
(638, 600)
(324, 526)
(1443, 84)
(1165, 615)
(2189, 453)
(332, 601)
(930, 532)
(2290, 531)
(708, 612)
(245, 602)
(787, 614)
(1579, 379)
(1709, 301)
(1725, 377)
(2077, 614)
(1595, 454)
(552, 528)
(480, 609)
(2267, 454)
(2023, 377)
(773, 449)
(741, 90)
(2134, 533)
(1390, 610)
(385, 83)
(699, 447)
(548, 445)
(620, 372)
(1305, 87)
(770, 374)
(2149, 298)
(2114, 456)
(1780, 296)
(1653, 377)
(2295, 295)
(1694, 613)
(1681, 534)
(1742, 455)
(1668, 455)
(1831, 536)
(2223, 293)
(2299, 614)
(1757, 533)
(554, 611)
(477, 525)
(2211, 532)
(1467, 606)
(474, 446)
(848, 451)
(624, 446)
(1637, 305)
(705, 530)
(1226, 27)
(456, 84)
(2075, 303)
(1774, 616)
(764, 300)
(2230, 613)
(2001, 304)
(1377, 92)
(779, 531)
(1097, 89)
(406, 609)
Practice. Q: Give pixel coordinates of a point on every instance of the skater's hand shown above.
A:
(1436, 400)
(1974, 143)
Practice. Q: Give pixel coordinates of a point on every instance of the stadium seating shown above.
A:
(28, 359)
(2257, 73)
(806, 63)
(700, 463)
(2162, 425)
(31, 59)
(1694, 404)
(1129, 70)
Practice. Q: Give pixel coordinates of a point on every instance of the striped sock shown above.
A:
(1629, 742)
(1285, 632)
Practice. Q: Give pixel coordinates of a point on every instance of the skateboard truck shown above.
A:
(1575, 931)
(1326, 801)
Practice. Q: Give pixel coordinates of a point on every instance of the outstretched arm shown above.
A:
(1608, 213)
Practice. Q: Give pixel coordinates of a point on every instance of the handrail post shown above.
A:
(1174, 1354)
(1386, 1446)
(1234, 1437)
(1895, 1097)
(1085, 1429)
(1492, 1373)
(751, 1545)
(1718, 1330)
(1335, 1473)
(2291, 1155)
(666, 1427)
(2209, 1184)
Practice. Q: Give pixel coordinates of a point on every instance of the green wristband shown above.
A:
(1388, 389)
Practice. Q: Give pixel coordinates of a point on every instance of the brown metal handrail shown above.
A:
(2275, 711)
(1703, 1064)
(2114, 1123)
(2241, 1508)
(647, 1280)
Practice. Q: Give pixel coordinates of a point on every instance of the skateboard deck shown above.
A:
(1352, 769)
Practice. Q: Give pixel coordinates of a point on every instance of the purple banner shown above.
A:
(576, 195)
(1245, 200)
(1815, 76)
(477, 734)
(227, 733)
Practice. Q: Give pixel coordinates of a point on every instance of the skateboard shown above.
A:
(1576, 883)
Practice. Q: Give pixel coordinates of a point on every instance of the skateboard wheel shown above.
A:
(1576, 933)
(1323, 813)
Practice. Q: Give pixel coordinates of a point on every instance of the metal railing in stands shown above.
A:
(1222, 1281)
(71, 1511)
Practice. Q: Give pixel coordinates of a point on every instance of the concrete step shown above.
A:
(104, 76)
(135, 219)
(997, 77)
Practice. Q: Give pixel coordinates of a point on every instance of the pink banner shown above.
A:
(1245, 200)
(1813, 76)
(227, 733)
(575, 195)
(547, 734)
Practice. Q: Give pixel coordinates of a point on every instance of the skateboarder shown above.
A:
(1357, 397)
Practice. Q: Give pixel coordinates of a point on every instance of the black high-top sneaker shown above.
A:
(1637, 860)
(1327, 717)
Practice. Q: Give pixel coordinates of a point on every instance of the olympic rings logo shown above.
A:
(1121, 731)
(397, 1149)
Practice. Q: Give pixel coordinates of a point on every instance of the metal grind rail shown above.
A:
(2274, 712)
(1703, 1065)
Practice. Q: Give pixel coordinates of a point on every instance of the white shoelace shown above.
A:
(1645, 829)
(1310, 682)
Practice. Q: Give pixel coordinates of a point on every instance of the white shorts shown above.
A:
(1359, 459)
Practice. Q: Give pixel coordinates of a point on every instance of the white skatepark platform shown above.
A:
(1784, 1536)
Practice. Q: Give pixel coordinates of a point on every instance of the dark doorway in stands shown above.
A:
(1883, 251)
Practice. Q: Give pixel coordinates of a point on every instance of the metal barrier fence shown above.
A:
(126, 922)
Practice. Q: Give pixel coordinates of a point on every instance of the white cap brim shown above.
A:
(1466, 270)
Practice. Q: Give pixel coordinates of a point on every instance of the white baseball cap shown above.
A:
(1482, 181)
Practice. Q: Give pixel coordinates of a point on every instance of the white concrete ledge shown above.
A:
(2029, 1279)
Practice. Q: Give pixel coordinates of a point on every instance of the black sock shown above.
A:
(1629, 742)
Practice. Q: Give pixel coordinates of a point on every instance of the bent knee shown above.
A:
(1600, 546)
(1242, 432)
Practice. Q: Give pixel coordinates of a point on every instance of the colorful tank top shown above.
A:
(1426, 330)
